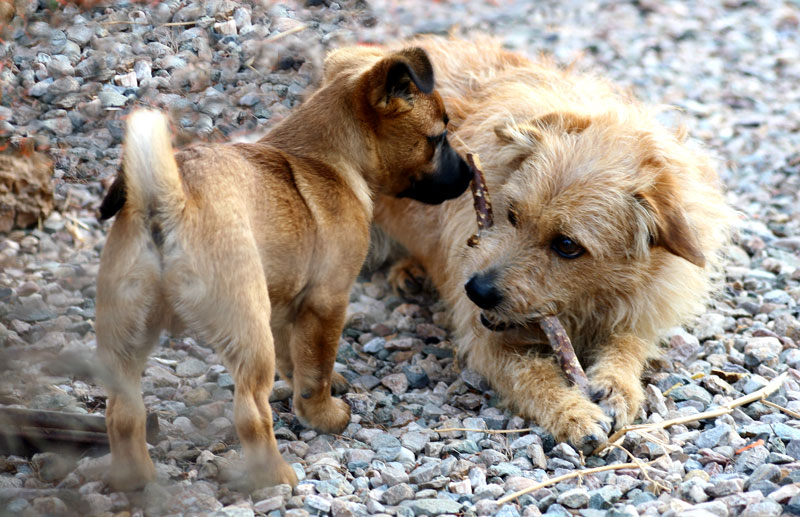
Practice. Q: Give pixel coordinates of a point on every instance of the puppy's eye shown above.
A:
(566, 247)
(446, 119)
(512, 216)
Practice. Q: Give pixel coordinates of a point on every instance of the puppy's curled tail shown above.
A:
(149, 182)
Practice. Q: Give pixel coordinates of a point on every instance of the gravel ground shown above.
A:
(69, 76)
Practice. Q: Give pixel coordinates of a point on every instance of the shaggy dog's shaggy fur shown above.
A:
(603, 217)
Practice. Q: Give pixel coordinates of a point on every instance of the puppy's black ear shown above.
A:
(411, 64)
(673, 231)
(394, 80)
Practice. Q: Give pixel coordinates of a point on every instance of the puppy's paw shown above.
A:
(339, 385)
(330, 416)
(618, 399)
(580, 423)
(407, 277)
(268, 473)
(127, 477)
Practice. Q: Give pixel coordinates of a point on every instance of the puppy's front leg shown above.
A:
(314, 344)
(615, 378)
(537, 389)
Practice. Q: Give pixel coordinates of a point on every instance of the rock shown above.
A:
(604, 498)
(374, 346)
(80, 34)
(691, 392)
(566, 452)
(762, 350)
(52, 467)
(63, 86)
(434, 506)
(112, 99)
(474, 380)
(682, 345)
(415, 441)
(398, 493)
(281, 391)
(765, 472)
(392, 476)
(424, 472)
(723, 487)
(709, 326)
(396, 382)
(793, 506)
(575, 498)
(751, 459)
(49, 506)
(317, 504)
(190, 367)
(718, 435)
(417, 378)
(784, 493)
(765, 508)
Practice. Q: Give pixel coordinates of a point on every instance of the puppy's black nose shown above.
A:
(482, 290)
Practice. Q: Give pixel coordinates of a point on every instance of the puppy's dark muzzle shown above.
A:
(483, 292)
(450, 180)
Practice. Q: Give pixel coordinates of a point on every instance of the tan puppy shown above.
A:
(603, 217)
(256, 246)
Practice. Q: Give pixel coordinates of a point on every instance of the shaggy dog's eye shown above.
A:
(566, 247)
(512, 216)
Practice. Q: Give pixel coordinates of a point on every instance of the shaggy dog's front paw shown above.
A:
(618, 399)
(407, 277)
(580, 423)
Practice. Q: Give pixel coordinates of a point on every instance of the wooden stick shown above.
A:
(658, 486)
(480, 198)
(577, 473)
(562, 347)
(283, 34)
(56, 426)
(19, 417)
(725, 409)
(40, 435)
(789, 412)
(487, 431)
(9, 494)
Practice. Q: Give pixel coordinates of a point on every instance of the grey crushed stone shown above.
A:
(69, 77)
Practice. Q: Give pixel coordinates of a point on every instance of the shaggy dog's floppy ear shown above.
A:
(532, 130)
(672, 231)
(521, 138)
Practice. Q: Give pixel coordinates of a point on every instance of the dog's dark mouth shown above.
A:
(498, 326)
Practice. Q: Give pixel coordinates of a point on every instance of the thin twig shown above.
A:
(576, 473)
(254, 69)
(124, 22)
(179, 24)
(487, 431)
(283, 34)
(78, 222)
(789, 412)
(725, 409)
(658, 486)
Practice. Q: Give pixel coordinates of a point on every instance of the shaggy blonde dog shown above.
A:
(603, 217)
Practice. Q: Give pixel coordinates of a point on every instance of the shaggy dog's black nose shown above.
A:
(482, 290)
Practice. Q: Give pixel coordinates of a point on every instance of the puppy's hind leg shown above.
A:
(127, 326)
(314, 344)
(231, 309)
